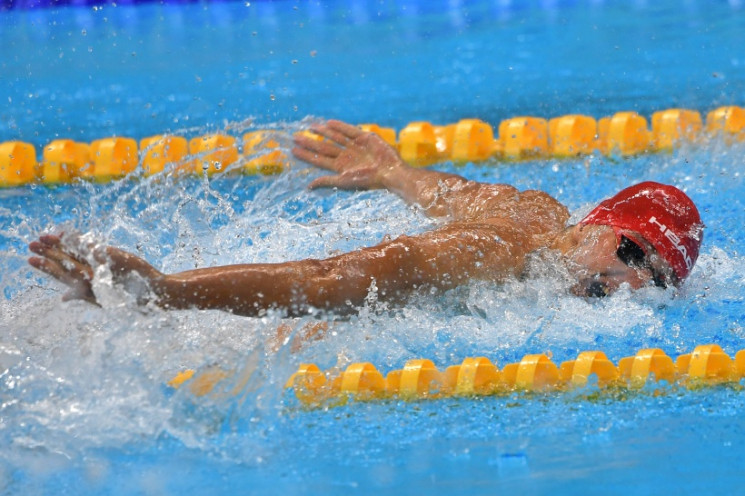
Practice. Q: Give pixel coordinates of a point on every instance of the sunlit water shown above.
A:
(84, 406)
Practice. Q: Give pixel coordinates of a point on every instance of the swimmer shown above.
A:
(647, 234)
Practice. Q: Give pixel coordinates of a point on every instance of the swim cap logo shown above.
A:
(674, 239)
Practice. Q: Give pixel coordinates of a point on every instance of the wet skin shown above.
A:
(591, 257)
(487, 232)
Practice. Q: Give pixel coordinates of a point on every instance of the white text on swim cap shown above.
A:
(674, 239)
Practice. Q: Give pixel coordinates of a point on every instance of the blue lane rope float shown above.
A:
(419, 143)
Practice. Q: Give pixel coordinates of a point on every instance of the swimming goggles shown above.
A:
(633, 255)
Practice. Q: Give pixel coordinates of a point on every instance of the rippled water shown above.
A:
(84, 388)
(84, 406)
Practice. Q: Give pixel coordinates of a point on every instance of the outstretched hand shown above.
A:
(359, 159)
(64, 264)
(69, 261)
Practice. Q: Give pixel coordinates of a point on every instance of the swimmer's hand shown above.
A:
(360, 159)
(70, 261)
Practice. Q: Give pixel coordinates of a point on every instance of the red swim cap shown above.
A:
(662, 214)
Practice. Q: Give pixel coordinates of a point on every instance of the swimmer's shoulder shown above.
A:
(502, 204)
(537, 194)
(542, 198)
(509, 193)
(542, 212)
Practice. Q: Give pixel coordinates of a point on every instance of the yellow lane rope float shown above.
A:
(419, 143)
(420, 379)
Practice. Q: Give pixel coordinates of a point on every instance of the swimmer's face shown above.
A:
(602, 264)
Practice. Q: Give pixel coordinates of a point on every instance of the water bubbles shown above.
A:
(130, 352)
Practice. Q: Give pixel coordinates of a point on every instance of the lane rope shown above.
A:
(707, 365)
(419, 143)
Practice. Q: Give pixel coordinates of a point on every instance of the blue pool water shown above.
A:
(84, 408)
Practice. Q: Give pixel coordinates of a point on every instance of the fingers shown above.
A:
(324, 182)
(72, 275)
(349, 131)
(52, 245)
(338, 132)
(323, 148)
(55, 252)
(50, 239)
(44, 244)
(343, 181)
(45, 266)
(57, 261)
(314, 158)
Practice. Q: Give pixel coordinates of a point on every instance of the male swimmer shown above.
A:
(649, 233)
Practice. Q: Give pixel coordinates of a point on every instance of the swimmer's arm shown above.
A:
(363, 160)
(445, 195)
(438, 259)
(441, 259)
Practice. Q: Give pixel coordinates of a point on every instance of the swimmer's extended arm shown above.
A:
(438, 259)
(364, 161)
